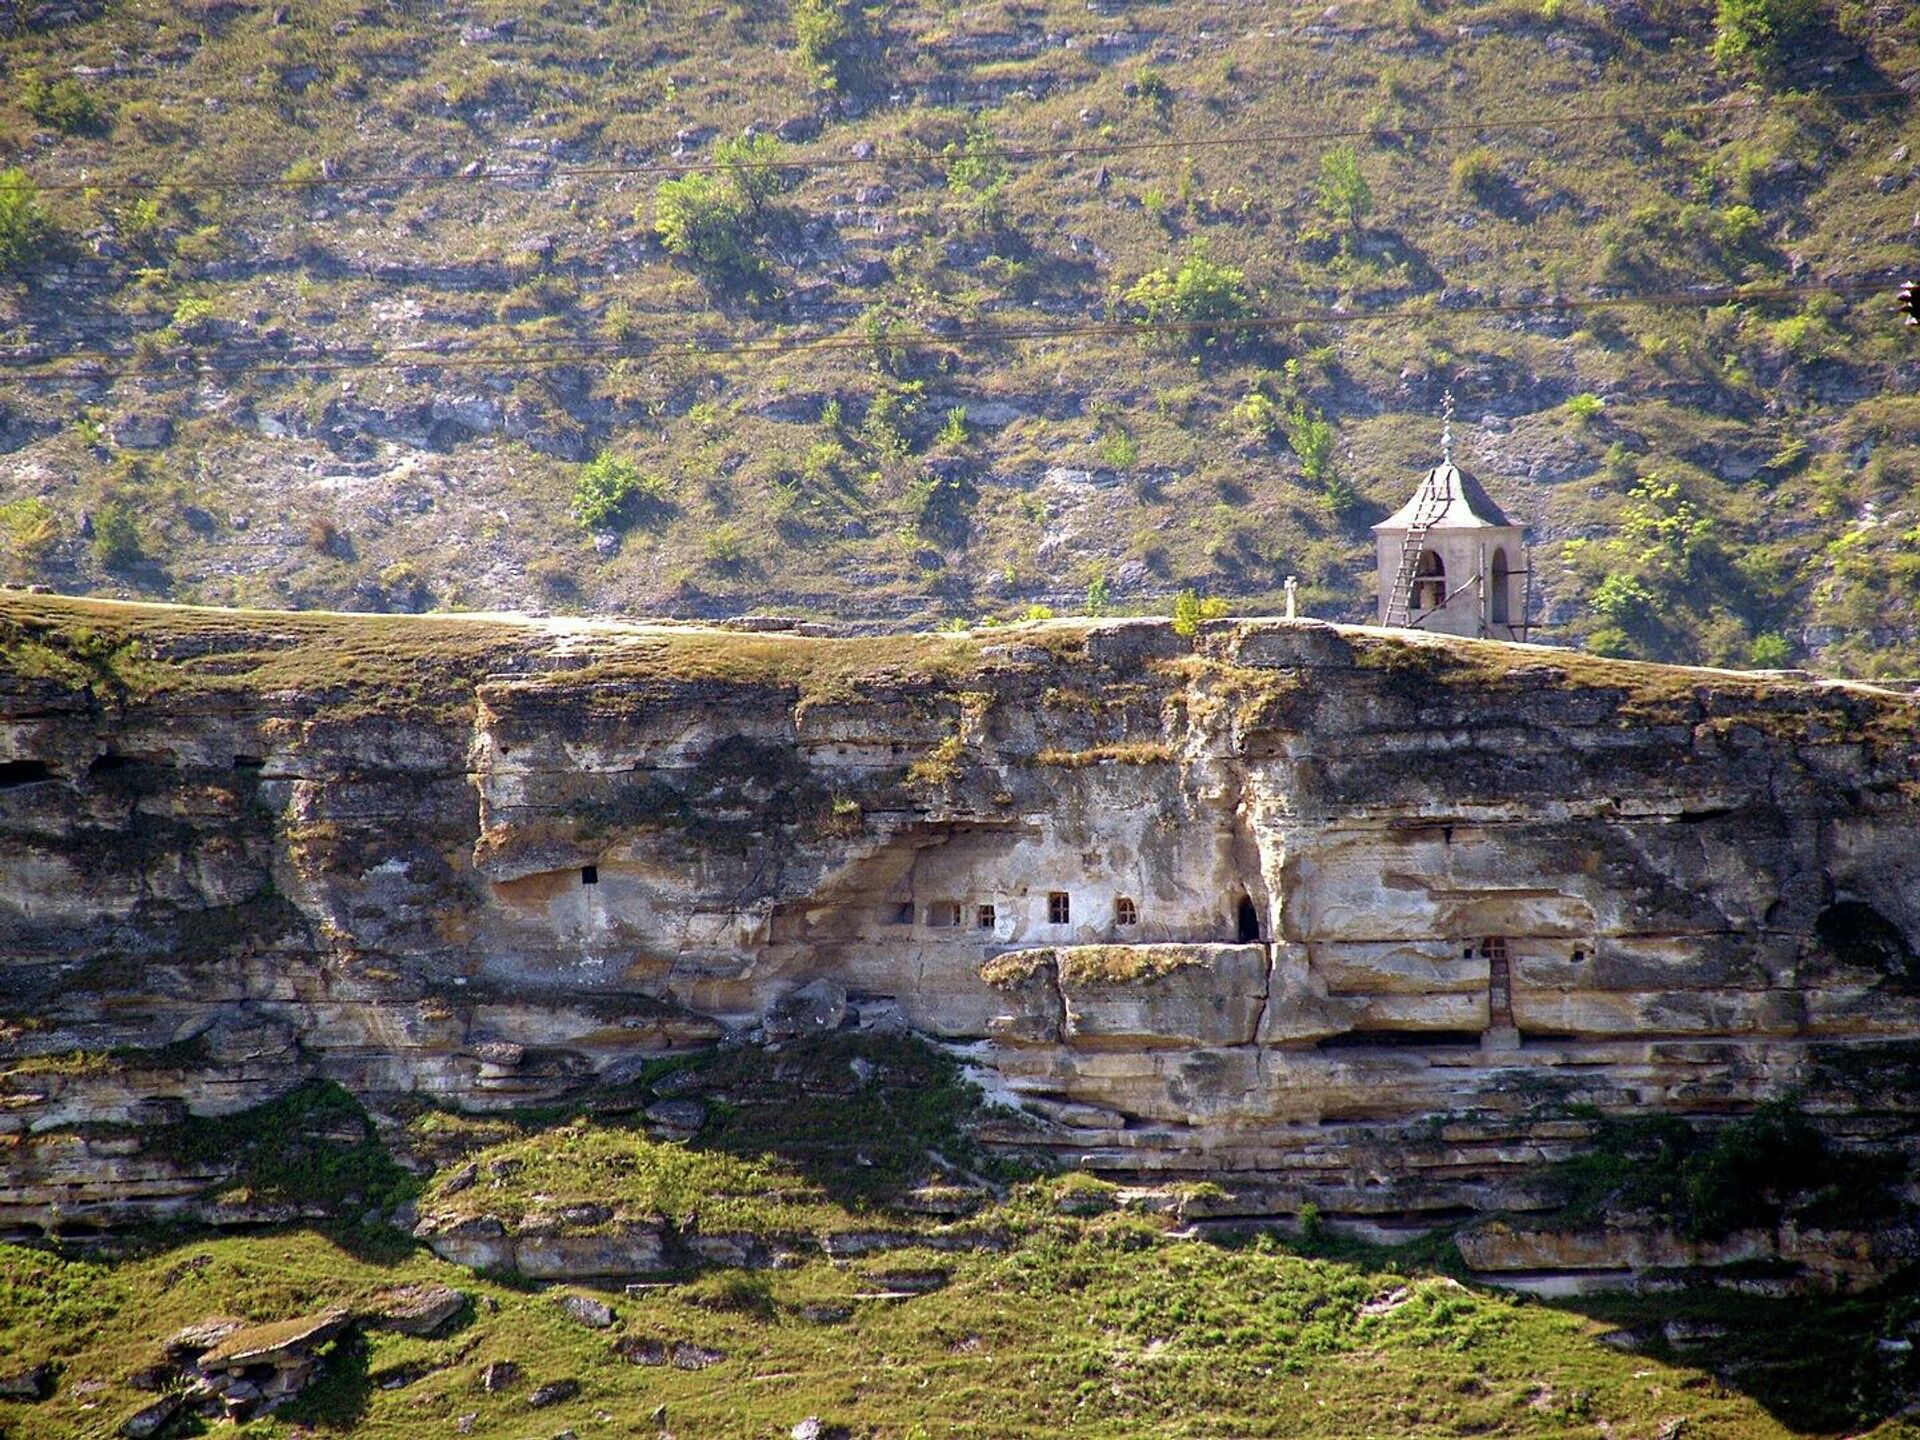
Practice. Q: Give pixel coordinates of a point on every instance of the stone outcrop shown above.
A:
(1321, 914)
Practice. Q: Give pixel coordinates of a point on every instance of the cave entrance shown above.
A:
(1248, 921)
(23, 772)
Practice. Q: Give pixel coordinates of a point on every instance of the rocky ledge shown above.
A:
(1374, 922)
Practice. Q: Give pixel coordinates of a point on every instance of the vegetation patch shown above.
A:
(312, 1149)
(1708, 1182)
(1141, 752)
(1095, 964)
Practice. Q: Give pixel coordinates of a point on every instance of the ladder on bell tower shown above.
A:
(1400, 601)
(1433, 504)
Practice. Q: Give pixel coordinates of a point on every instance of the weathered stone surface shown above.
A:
(413, 1309)
(594, 1314)
(554, 1392)
(35, 1382)
(271, 1344)
(591, 851)
(149, 1419)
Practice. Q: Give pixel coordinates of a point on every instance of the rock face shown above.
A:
(1334, 915)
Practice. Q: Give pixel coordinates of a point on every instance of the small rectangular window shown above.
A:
(1059, 908)
(589, 874)
(944, 914)
(1125, 912)
(984, 917)
(902, 913)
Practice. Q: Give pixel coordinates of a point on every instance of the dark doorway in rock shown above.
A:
(1248, 921)
(23, 772)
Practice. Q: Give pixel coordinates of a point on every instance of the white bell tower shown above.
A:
(1449, 560)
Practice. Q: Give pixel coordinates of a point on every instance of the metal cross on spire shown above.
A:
(1446, 432)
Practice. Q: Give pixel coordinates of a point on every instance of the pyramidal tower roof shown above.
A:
(1447, 498)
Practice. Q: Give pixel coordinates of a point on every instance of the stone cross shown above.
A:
(1293, 591)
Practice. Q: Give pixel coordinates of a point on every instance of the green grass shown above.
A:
(431, 667)
(1103, 1325)
(1072, 1311)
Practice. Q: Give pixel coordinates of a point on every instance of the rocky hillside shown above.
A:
(1326, 921)
(412, 306)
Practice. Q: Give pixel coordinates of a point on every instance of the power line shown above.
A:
(640, 343)
(541, 355)
(1008, 150)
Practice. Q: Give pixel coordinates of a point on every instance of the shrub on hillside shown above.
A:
(1476, 174)
(1202, 295)
(699, 218)
(750, 164)
(62, 104)
(611, 490)
(824, 32)
(1342, 192)
(715, 219)
(977, 172)
(117, 544)
(1312, 437)
(27, 229)
(1755, 34)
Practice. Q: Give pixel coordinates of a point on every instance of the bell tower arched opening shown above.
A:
(1499, 602)
(1429, 582)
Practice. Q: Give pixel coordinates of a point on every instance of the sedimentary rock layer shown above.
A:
(1342, 916)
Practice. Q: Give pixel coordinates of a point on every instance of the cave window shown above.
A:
(1855, 933)
(1059, 908)
(1578, 955)
(1429, 582)
(589, 874)
(943, 914)
(985, 917)
(23, 772)
(903, 913)
(1247, 921)
(1125, 912)
(1493, 950)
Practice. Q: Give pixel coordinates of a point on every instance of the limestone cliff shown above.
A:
(1324, 914)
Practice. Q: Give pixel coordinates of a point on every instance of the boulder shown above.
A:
(413, 1309)
(686, 1355)
(142, 430)
(813, 1009)
(149, 1419)
(33, 1383)
(686, 1116)
(554, 1392)
(279, 1343)
(594, 1314)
